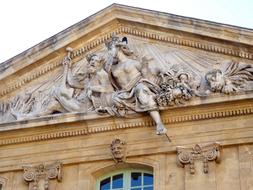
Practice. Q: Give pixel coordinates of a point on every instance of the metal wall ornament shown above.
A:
(205, 153)
(34, 174)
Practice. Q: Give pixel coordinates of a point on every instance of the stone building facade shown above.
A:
(130, 99)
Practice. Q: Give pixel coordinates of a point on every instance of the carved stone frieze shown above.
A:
(205, 153)
(118, 150)
(125, 78)
(33, 175)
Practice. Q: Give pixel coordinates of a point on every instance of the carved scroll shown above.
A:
(34, 174)
(206, 153)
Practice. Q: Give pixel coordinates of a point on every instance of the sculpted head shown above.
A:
(215, 80)
(95, 63)
(118, 150)
(116, 45)
(184, 77)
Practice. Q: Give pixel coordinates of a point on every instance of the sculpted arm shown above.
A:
(103, 84)
(72, 81)
(68, 77)
(102, 89)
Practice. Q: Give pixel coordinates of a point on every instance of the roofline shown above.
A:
(51, 40)
(180, 16)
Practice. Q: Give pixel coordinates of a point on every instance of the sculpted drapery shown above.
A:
(132, 90)
(120, 81)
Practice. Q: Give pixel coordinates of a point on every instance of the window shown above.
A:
(127, 180)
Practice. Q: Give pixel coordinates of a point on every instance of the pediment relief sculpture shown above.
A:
(126, 76)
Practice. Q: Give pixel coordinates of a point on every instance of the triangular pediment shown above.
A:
(181, 62)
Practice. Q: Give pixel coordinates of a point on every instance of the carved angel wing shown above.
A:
(238, 72)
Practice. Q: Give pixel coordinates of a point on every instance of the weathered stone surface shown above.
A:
(196, 75)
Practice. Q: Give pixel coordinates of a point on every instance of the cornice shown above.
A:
(165, 38)
(168, 38)
(187, 24)
(111, 125)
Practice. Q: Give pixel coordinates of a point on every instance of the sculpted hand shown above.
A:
(67, 58)
(66, 61)
(89, 93)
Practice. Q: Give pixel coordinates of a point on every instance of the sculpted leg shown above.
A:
(146, 102)
(160, 128)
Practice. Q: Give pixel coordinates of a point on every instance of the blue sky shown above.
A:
(26, 23)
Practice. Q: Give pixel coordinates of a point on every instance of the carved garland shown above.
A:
(87, 131)
(206, 153)
(135, 32)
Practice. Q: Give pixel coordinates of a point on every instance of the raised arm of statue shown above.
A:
(68, 77)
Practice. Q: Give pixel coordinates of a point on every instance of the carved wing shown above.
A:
(238, 71)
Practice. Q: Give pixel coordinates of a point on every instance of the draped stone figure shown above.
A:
(96, 91)
(99, 87)
(61, 98)
(65, 92)
(133, 91)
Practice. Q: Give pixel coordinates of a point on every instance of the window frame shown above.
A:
(126, 177)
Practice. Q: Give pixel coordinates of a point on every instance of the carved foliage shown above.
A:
(175, 88)
(33, 174)
(206, 153)
(118, 150)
